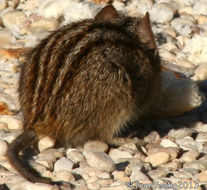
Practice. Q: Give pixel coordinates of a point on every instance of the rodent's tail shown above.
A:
(27, 138)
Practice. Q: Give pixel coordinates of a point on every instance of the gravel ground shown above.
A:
(175, 156)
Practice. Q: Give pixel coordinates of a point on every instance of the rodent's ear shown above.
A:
(108, 13)
(145, 33)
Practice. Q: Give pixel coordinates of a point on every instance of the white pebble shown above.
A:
(117, 154)
(196, 49)
(13, 19)
(12, 121)
(74, 155)
(162, 12)
(100, 161)
(168, 143)
(158, 158)
(200, 7)
(45, 143)
(63, 164)
(139, 7)
(97, 146)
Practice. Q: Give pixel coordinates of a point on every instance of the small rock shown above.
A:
(104, 175)
(182, 25)
(158, 158)
(162, 12)
(6, 39)
(117, 154)
(202, 176)
(187, 143)
(52, 8)
(202, 19)
(45, 143)
(63, 164)
(78, 10)
(50, 155)
(3, 126)
(180, 133)
(100, 161)
(200, 7)
(160, 172)
(196, 164)
(201, 137)
(97, 146)
(200, 127)
(3, 4)
(94, 186)
(137, 175)
(139, 7)
(153, 136)
(166, 143)
(105, 182)
(174, 165)
(12, 121)
(3, 147)
(172, 151)
(196, 49)
(74, 155)
(45, 24)
(64, 175)
(117, 175)
(13, 18)
(190, 156)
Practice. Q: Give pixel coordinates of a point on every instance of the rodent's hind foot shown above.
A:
(117, 141)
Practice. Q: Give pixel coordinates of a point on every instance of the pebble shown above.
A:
(182, 25)
(196, 49)
(160, 172)
(202, 176)
(100, 161)
(172, 151)
(74, 155)
(181, 133)
(139, 7)
(117, 155)
(137, 175)
(200, 7)
(162, 12)
(12, 19)
(52, 8)
(158, 158)
(45, 24)
(45, 143)
(190, 155)
(196, 164)
(153, 136)
(6, 39)
(3, 147)
(11, 121)
(63, 164)
(96, 146)
(166, 143)
(3, 4)
(174, 165)
(63, 175)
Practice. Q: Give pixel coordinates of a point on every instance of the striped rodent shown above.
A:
(85, 81)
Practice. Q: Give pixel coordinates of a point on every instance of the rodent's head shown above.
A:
(139, 27)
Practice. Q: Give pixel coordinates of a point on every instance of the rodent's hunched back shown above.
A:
(85, 81)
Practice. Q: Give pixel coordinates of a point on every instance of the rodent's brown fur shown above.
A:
(85, 81)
